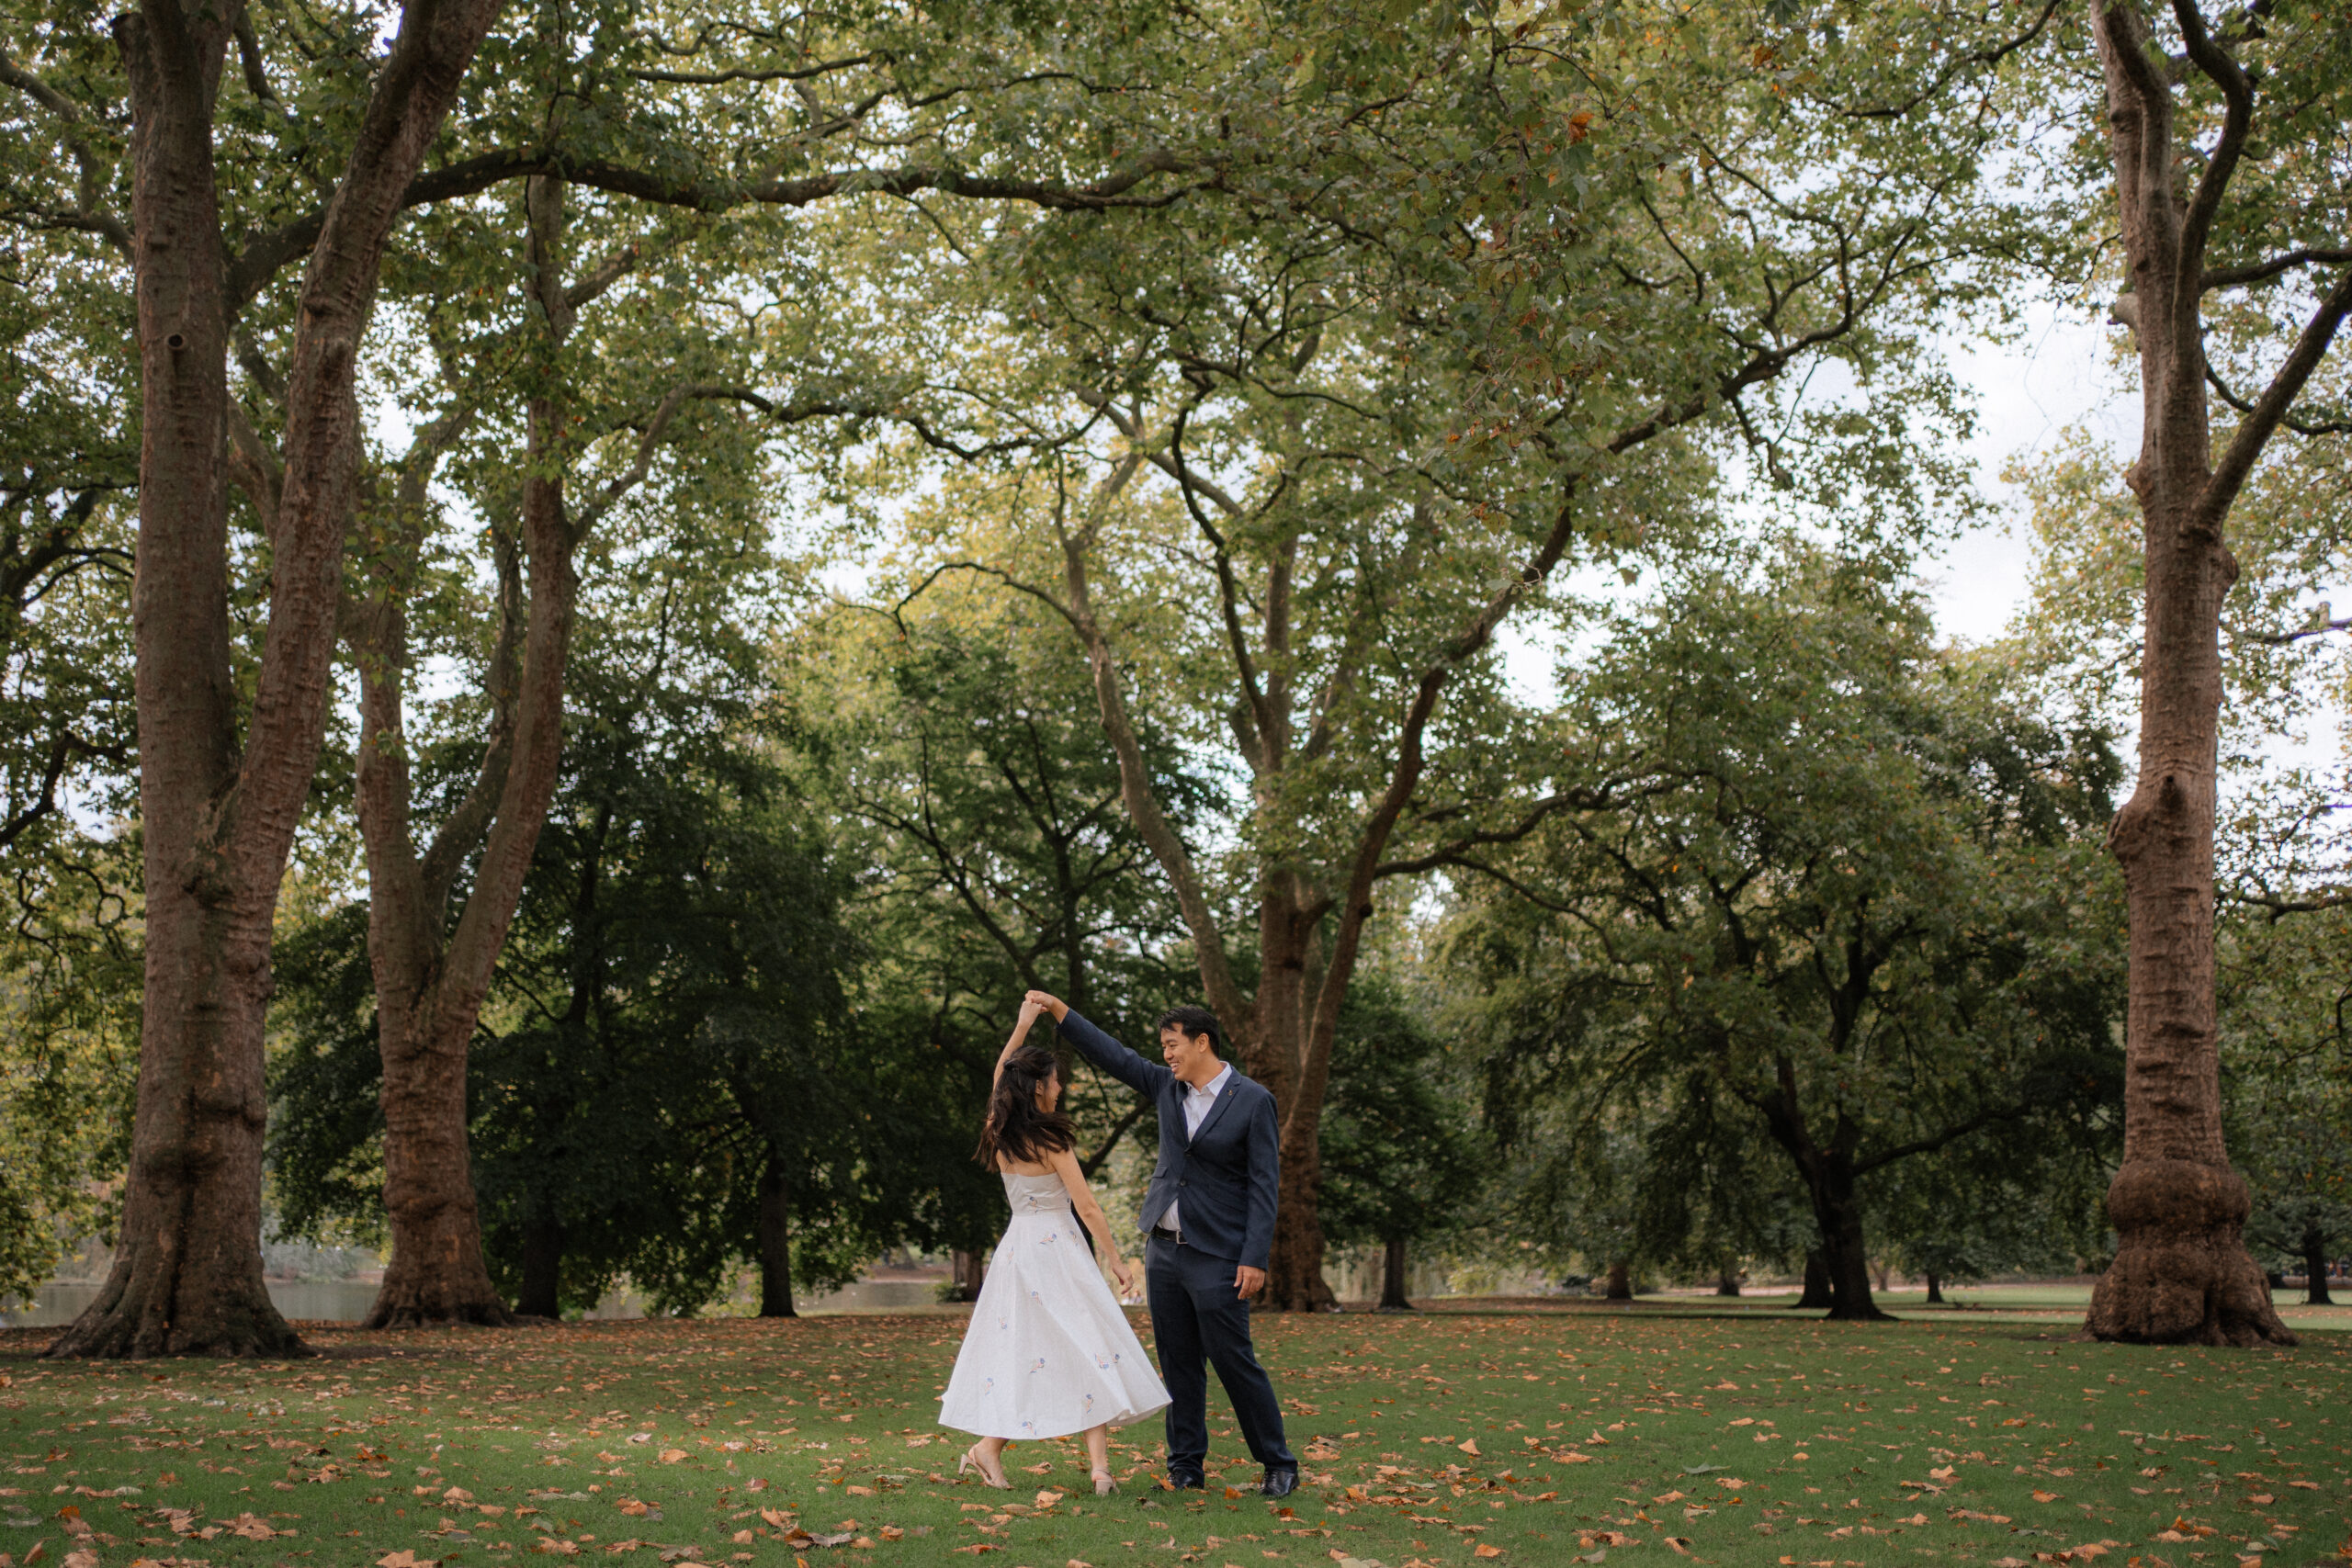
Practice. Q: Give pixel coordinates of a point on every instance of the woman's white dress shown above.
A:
(1048, 1351)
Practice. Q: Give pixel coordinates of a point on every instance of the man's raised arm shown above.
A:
(1144, 1077)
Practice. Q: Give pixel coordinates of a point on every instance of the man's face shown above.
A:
(1191, 1057)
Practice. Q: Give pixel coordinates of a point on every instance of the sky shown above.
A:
(2060, 371)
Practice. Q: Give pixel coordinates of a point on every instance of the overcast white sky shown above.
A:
(2059, 373)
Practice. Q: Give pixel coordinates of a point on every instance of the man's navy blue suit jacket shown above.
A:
(1226, 1174)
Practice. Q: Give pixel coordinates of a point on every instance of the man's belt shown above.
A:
(1168, 1234)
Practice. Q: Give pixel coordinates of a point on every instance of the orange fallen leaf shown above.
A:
(2039, 1496)
(672, 1456)
(1483, 1549)
(1680, 1543)
(404, 1559)
(1469, 1447)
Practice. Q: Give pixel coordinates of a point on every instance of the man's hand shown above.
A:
(1052, 1004)
(1248, 1281)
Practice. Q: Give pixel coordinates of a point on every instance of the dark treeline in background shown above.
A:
(591, 593)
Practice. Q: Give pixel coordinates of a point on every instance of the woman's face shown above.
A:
(1049, 1093)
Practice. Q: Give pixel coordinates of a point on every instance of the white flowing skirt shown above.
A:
(1048, 1351)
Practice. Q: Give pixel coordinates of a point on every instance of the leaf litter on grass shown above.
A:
(1539, 1437)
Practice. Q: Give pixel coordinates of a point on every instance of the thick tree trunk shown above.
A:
(1392, 1278)
(2316, 1291)
(186, 1278)
(219, 817)
(1621, 1281)
(1843, 1257)
(2181, 1272)
(1817, 1292)
(966, 1272)
(542, 1293)
(436, 1273)
(775, 1245)
(1935, 1290)
(1727, 1282)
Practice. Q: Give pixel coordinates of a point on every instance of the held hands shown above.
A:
(1124, 1274)
(1248, 1281)
(1045, 1001)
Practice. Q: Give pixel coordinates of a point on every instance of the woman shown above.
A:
(1048, 1351)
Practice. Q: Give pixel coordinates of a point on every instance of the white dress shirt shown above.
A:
(1197, 1100)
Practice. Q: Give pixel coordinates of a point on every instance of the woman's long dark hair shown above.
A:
(1016, 1129)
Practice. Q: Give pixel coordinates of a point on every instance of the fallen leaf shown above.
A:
(404, 1559)
(1047, 1499)
(1469, 1445)
(1914, 1519)
(1483, 1549)
(2263, 1497)
(2039, 1496)
(81, 1559)
(1681, 1543)
(2306, 1486)
(672, 1456)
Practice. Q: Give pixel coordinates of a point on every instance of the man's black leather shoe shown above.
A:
(1183, 1481)
(1280, 1483)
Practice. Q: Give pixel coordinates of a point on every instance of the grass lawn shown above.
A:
(1455, 1438)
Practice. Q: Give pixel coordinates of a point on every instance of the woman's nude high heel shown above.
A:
(1104, 1484)
(970, 1460)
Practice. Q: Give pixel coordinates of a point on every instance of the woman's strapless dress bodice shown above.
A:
(1035, 1194)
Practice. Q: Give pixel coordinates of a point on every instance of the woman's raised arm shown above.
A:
(1029, 1011)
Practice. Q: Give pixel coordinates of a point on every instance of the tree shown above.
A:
(2200, 222)
(1401, 1162)
(1349, 420)
(219, 799)
(660, 1079)
(1829, 888)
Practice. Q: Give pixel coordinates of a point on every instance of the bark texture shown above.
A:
(1621, 1282)
(967, 1272)
(1935, 1291)
(2316, 1291)
(217, 811)
(2181, 1274)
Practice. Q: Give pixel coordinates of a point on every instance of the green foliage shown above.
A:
(1401, 1159)
(1827, 891)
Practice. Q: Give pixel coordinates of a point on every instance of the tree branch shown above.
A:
(2261, 420)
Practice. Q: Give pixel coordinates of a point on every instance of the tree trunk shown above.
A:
(775, 1245)
(966, 1271)
(1727, 1282)
(542, 1293)
(186, 1278)
(2315, 1267)
(1843, 1258)
(1816, 1292)
(219, 818)
(1935, 1290)
(437, 1272)
(1621, 1281)
(1392, 1278)
(2181, 1273)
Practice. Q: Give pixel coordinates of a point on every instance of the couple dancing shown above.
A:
(1049, 1352)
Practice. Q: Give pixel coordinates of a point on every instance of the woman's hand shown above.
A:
(1120, 1272)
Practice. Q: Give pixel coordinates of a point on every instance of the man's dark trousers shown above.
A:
(1198, 1317)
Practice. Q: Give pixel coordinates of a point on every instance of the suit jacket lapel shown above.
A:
(1224, 1099)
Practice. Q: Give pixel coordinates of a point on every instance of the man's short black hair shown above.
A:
(1193, 1020)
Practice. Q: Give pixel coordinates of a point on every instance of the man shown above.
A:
(1208, 1222)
